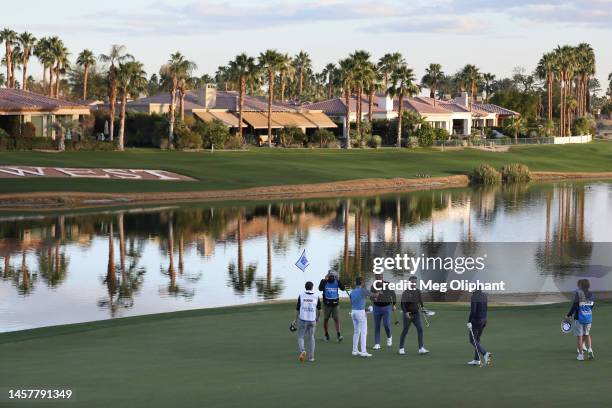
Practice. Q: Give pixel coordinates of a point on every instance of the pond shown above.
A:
(59, 268)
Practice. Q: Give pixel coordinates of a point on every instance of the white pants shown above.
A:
(360, 334)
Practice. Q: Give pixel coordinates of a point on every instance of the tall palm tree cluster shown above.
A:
(570, 69)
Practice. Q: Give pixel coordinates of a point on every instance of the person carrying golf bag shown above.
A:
(358, 297)
(384, 305)
(307, 314)
(582, 312)
(476, 324)
(411, 303)
(331, 286)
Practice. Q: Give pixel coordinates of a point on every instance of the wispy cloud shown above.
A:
(437, 16)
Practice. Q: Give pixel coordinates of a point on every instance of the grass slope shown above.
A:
(263, 167)
(235, 357)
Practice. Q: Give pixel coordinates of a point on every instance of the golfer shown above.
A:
(359, 296)
(476, 324)
(384, 305)
(582, 312)
(411, 304)
(330, 286)
(307, 314)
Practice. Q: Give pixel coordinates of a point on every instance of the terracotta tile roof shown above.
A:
(490, 108)
(225, 100)
(337, 106)
(421, 106)
(17, 100)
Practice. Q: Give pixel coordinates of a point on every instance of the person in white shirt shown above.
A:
(307, 314)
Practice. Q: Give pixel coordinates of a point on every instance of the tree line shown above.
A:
(562, 84)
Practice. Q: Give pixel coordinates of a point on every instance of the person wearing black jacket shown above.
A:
(330, 285)
(476, 324)
(384, 305)
(411, 305)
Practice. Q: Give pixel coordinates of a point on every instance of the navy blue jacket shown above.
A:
(478, 306)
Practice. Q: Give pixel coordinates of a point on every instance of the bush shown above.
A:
(582, 126)
(515, 173)
(291, 135)
(189, 140)
(6, 142)
(28, 130)
(426, 135)
(213, 133)
(486, 174)
(90, 145)
(412, 142)
(34, 143)
(233, 143)
(375, 141)
(441, 134)
(322, 137)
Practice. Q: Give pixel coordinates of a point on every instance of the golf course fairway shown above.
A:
(246, 357)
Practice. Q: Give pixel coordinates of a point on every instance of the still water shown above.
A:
(84, 266)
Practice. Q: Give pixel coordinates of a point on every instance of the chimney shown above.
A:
(462, 99)
(385, 102)
(207, 96)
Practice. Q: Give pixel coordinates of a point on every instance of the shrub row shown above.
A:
(510, 173)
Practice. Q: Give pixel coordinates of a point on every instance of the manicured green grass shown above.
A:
(263, 167)
(246, 356)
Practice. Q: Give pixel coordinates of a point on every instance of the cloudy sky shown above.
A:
(495, 35)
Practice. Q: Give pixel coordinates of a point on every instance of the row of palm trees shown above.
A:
(569, 68)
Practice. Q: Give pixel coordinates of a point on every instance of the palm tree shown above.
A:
(270, 61)
(565, 64)
(387, 65)
(546, 71)
(132, 79)
(347, 80)
(9, 37)
(363, 72)
(585, 57)
(2, 79)
(27, 42)
(488, 79)
(242, 70)
(472, 77)
(433, 76)
(60, 58)
(285, 70)
(515, 126)
(61, 127)
(303, 64)
(42, 51)
(610, 85)
(402, 84)
(116, 56)
(85, 60)
(16, 59)
(175, 70)
(329, 71)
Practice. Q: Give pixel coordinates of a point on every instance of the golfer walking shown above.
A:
(359, 296)
(330, 286)
(411, 305)
(476, 324)
(307, 314)
(582, 312)
(384, 306)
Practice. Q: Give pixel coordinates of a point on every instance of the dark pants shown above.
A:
(382, 313)
(478, 327)
(415, 318)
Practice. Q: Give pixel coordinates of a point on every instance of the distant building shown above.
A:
(454, 115)
(18, 107)
(208, 104)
